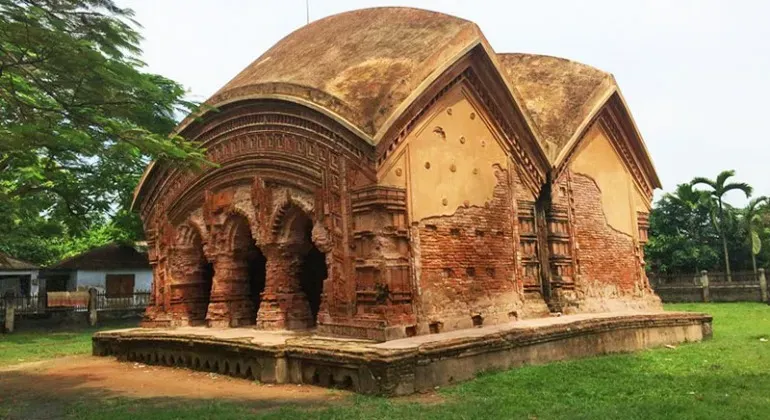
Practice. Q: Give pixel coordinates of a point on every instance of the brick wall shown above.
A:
(606, 255)
(467, 263)
(609, 275)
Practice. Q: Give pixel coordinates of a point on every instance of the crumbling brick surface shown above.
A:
(610, 276)
(468, 263)
(606, 255)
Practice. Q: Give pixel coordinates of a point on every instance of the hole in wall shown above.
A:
(477, 320)
(455, 232)
(435, 327)
(490, 271)
(345, 383)
(470, 271)
(411, 331)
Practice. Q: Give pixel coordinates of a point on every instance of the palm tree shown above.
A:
(692, 199)
(753, 222)
(719, 188)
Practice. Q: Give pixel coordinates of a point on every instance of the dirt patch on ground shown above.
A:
(45, 389)
(137, 380)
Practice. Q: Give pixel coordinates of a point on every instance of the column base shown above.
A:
(230, 313)
(284, 311)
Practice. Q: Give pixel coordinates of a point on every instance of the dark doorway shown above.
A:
(246, 251)
(207, 279)
(312, 275)
(257, 274)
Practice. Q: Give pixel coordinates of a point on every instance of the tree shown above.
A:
(682, 235)
(753, 223)
(719, 188)
(79, 119)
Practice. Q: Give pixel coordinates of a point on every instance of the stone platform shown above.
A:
(404, 366)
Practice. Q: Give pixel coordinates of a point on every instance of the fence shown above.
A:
(711, 287)
(74, 301)
(24, 304)
(70, 306)
(136, 300)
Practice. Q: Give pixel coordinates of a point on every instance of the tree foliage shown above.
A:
(717, 190)
(79, 121)
(693, 230)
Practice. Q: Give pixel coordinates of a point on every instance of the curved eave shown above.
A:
(515, 98)
(655, 179)
(603, 100)
(190, 120)
(478, 41)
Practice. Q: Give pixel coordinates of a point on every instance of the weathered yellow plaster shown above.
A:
(395, 176)
(621, 199)
(642, 203)
(452, 153)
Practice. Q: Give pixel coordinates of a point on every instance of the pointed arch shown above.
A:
(289, 212)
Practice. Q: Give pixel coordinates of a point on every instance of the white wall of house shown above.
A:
(83, 279)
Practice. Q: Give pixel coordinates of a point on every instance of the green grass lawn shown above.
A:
(727, 377)
(29, 346)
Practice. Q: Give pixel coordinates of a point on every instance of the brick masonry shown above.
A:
(468, 264)
(290, 180)
(609, 271)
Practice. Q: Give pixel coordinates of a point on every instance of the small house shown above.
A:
(17, 276)
(117, 269)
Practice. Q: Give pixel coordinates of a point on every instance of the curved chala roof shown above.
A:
(363, 68)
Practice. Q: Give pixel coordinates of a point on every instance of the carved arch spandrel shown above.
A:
(187, 233)
(223, 229)
(287, 207)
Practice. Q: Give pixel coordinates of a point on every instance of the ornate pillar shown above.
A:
(230, 304)
(189, 288)
(284, 305)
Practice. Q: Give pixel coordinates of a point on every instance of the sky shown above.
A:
(695, 73)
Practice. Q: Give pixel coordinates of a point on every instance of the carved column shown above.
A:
(189, 290)
(643, 223)
(151, 311)
(230, 303)
(560, 257)
(283, 304)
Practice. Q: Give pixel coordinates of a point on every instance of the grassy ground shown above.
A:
(29, 346)
(724, 378)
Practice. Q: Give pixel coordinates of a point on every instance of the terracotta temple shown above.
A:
(385, 173)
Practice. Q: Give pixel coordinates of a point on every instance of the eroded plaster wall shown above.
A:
(605, 203)
(460, 200)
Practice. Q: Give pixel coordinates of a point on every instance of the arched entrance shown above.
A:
(192, 276)
(239, 279)
(297, 269)
(312, 274)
